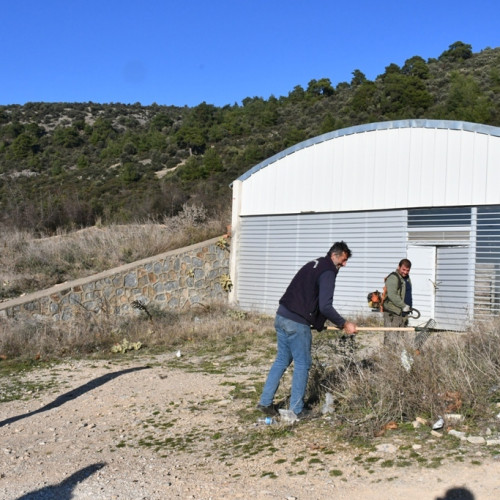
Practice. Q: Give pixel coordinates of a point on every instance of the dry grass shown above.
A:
(29, 263)
(454, 373)
(157, 330)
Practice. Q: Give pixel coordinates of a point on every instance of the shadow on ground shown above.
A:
(63, 490)
(73, 394)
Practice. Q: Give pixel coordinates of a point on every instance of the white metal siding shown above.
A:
(273, 248)
(487, 274)
(454, 288)
(379, 168)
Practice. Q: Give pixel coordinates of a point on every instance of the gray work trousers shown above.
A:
(393, 338)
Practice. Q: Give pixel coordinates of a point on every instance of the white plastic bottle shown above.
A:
(266, 421)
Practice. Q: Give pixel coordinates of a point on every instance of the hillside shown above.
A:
(70, 165)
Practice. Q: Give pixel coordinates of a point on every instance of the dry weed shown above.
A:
(454, 373)
(29, 263)
(156, 329)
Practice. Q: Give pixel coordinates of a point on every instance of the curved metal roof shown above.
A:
(370, 127)
(377, 166)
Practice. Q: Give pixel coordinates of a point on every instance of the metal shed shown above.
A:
(424, 189)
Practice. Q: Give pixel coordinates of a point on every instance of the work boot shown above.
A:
(268, 410)
(304, 414)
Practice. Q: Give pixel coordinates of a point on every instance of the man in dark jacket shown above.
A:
(307, 303)
(399, 301)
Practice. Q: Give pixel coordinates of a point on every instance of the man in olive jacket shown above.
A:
(398, 302)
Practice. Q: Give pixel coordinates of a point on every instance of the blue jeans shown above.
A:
(294, 344)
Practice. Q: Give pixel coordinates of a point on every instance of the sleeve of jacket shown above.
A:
(392, 291)
(326, 289)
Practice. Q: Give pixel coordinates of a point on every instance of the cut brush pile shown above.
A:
(452, 372)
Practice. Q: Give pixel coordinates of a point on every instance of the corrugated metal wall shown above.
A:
(447, 235)
(273, 248)
(454, 288)
(455, 274)
(467, 243)
(487, 275)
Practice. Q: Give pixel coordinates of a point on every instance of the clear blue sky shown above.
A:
(185, 52)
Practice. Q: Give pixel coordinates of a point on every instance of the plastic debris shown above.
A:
(454, 417)
(265, 421)
(328, 405)
(438, 424)
(288, 416)
(406, 360)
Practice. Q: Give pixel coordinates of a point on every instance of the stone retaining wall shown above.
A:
(173, 280)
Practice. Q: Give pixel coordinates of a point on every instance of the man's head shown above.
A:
(339, 253)
(404, 268)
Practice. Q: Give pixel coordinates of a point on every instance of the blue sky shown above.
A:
(185, 52)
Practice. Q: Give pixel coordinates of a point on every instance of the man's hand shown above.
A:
(406, 308)
(350, 328)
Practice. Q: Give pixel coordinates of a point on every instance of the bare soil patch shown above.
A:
(162, 426)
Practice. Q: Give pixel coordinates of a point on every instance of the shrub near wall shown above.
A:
(173, 280)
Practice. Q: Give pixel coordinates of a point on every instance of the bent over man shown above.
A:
(307, 303)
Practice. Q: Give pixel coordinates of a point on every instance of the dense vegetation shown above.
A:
(70, 165)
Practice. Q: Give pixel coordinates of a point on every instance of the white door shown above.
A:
(455, 287)
(423, 279)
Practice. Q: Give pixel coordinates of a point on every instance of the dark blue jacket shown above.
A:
(309, 295)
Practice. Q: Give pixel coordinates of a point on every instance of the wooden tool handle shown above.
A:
(377, 329)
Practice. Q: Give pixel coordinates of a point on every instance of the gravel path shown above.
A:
(165, 427)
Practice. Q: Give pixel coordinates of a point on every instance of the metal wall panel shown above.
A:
(463, 285)
(454, 288)
(376, 167)
(487, 276)
(273, 248)
(451, 187)
(492, 176)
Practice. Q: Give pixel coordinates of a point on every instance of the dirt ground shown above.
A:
(164, 427)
